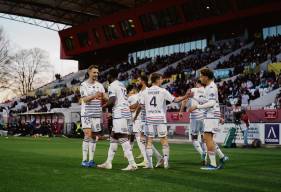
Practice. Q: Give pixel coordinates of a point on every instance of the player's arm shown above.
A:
(105, 97)
(138, 110)
(183, 104)
(211, 102)
(208, 104)
(221, 120)
(110, 102)
(86, 99)
(188, 95)
(133, 104)
(112, 98)
(133, 107)
(141, 105)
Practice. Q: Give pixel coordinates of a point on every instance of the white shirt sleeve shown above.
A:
(131, 100)
(168, 96)
(111, 92)
(83, 91)
(211, 94)
(209, 104)
(102, 89)
(141, 98)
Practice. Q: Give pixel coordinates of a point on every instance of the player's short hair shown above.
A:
(154, 77)
(113, 73)
(208, 73)
(144, 78)
(93, 67)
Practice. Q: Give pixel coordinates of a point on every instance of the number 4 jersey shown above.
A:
(154, 99)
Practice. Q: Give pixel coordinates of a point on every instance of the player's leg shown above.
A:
(142, 139)
(85, 146)
(92, 149)
(113, 145)
(196, 144)
(131, 135)
(210, 127)
(204, 157)
(125, 143)
(222, 156)
(162, 132)
(157, 154)
(200, 131)
(208, 138)
(111, 152)
(132, 140)
(194, 136)
(149, 143)
(141, 144)
(136, 132)
(96, 128)
(122, 131)
(86, 125)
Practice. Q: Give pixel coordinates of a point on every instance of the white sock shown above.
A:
(149, 153)
(85, 149)
(204, 147)
(112, 150)
(166, 152)
(132, 145)
(156, 153)
(138, 139)
(219, 152)
(92, 148)
(127, 150)
(142, 149)
(197, 146)
(212, 157)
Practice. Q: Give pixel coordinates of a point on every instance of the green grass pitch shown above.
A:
(42, 164)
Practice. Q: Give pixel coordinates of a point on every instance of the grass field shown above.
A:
(28, 164)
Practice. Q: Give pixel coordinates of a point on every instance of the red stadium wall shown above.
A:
(254, 116)
(140, 35)
(260, 116)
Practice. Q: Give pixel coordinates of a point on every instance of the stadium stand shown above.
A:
(64, 91)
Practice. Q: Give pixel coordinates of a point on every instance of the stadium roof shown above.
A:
(68, 12)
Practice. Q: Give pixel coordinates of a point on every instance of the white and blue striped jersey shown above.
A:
(121, 108)
(211, 93)
(142, 113)
(92, 108)
(133, 99)
(197, 99)
(154, 99)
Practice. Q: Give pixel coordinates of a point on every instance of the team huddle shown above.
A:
(142, 116)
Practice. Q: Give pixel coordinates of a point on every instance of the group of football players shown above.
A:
(141, 115)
